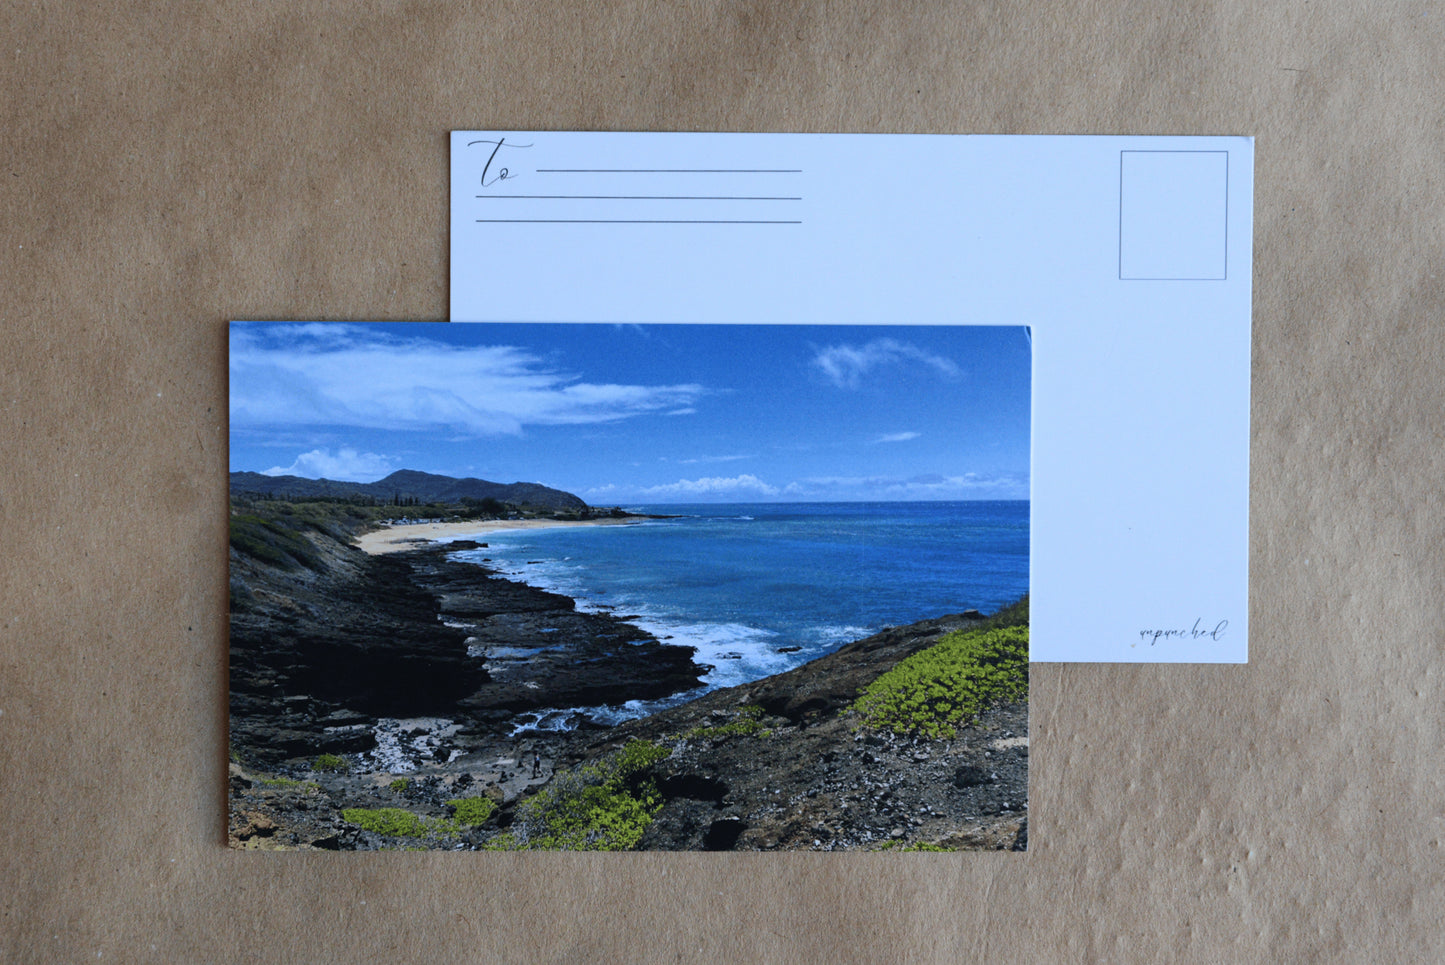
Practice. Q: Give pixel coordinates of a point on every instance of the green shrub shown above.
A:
(746, 723)
(605, 806)
(273, 541)
(934, 691)
(1015, 614)
(399, 823)
(331, 762)
(400, 784)
(471, 811)
(899, 846)
(737, 728)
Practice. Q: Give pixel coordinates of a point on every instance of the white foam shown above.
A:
(832, 637)
(607, 715)
(716, 643)
(547, 720)
(401, 743)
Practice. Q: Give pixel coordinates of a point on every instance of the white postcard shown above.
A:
(1126, 259)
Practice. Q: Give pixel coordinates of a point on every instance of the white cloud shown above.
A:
(331, 374)
(347, 464)
(846, 365)
(745, 486)
(748, 487)
(922, 487)
(898, 437)
(698, 459)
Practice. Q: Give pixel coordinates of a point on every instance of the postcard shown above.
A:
(675, 587)
(1126, 259)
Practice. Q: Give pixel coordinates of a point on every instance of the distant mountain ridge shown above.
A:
(424, 486)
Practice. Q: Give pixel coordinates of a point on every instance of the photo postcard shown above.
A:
(646, 587)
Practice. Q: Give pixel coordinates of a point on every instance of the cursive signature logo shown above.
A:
(1195, 632)
(503, 173)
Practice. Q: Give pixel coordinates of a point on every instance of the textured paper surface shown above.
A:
(165, 173)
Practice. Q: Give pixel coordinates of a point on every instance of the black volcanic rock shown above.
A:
(561, 659)
(318, 654)
(540, 652)
(359, 640)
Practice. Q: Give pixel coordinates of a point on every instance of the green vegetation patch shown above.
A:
(275, 541)
(604, 806)
(934, 691)
(400, 784)
(331, 762)
(746, 724)
(399, 823)
(472, 811)
(899, 847)
(737, 728)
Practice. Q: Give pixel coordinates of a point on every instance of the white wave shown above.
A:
(554, 719)
(832, 637)
(549, 720)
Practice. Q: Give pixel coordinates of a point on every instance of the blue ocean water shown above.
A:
(742, 581)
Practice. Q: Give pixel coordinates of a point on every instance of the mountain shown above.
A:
(424, 486)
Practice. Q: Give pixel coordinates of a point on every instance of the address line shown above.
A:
(638, 197)
(627, 221)
(669, 170)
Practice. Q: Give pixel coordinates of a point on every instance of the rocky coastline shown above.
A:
(392, 685)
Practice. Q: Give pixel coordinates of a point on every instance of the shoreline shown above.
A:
(396, 694)
(393, 538)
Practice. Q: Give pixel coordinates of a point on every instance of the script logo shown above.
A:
(1195, 632)
(503, 173)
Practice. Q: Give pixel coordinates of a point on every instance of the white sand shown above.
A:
(390, 539)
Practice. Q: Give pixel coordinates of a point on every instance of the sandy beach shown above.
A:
(391, 539)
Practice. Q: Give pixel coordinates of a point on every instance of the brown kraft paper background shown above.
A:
(167, 168)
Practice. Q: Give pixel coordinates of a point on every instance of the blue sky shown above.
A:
(638, 414)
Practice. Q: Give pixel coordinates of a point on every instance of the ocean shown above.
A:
(759, 588)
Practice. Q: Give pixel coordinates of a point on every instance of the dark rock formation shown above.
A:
(317, 654)
(540, 652)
